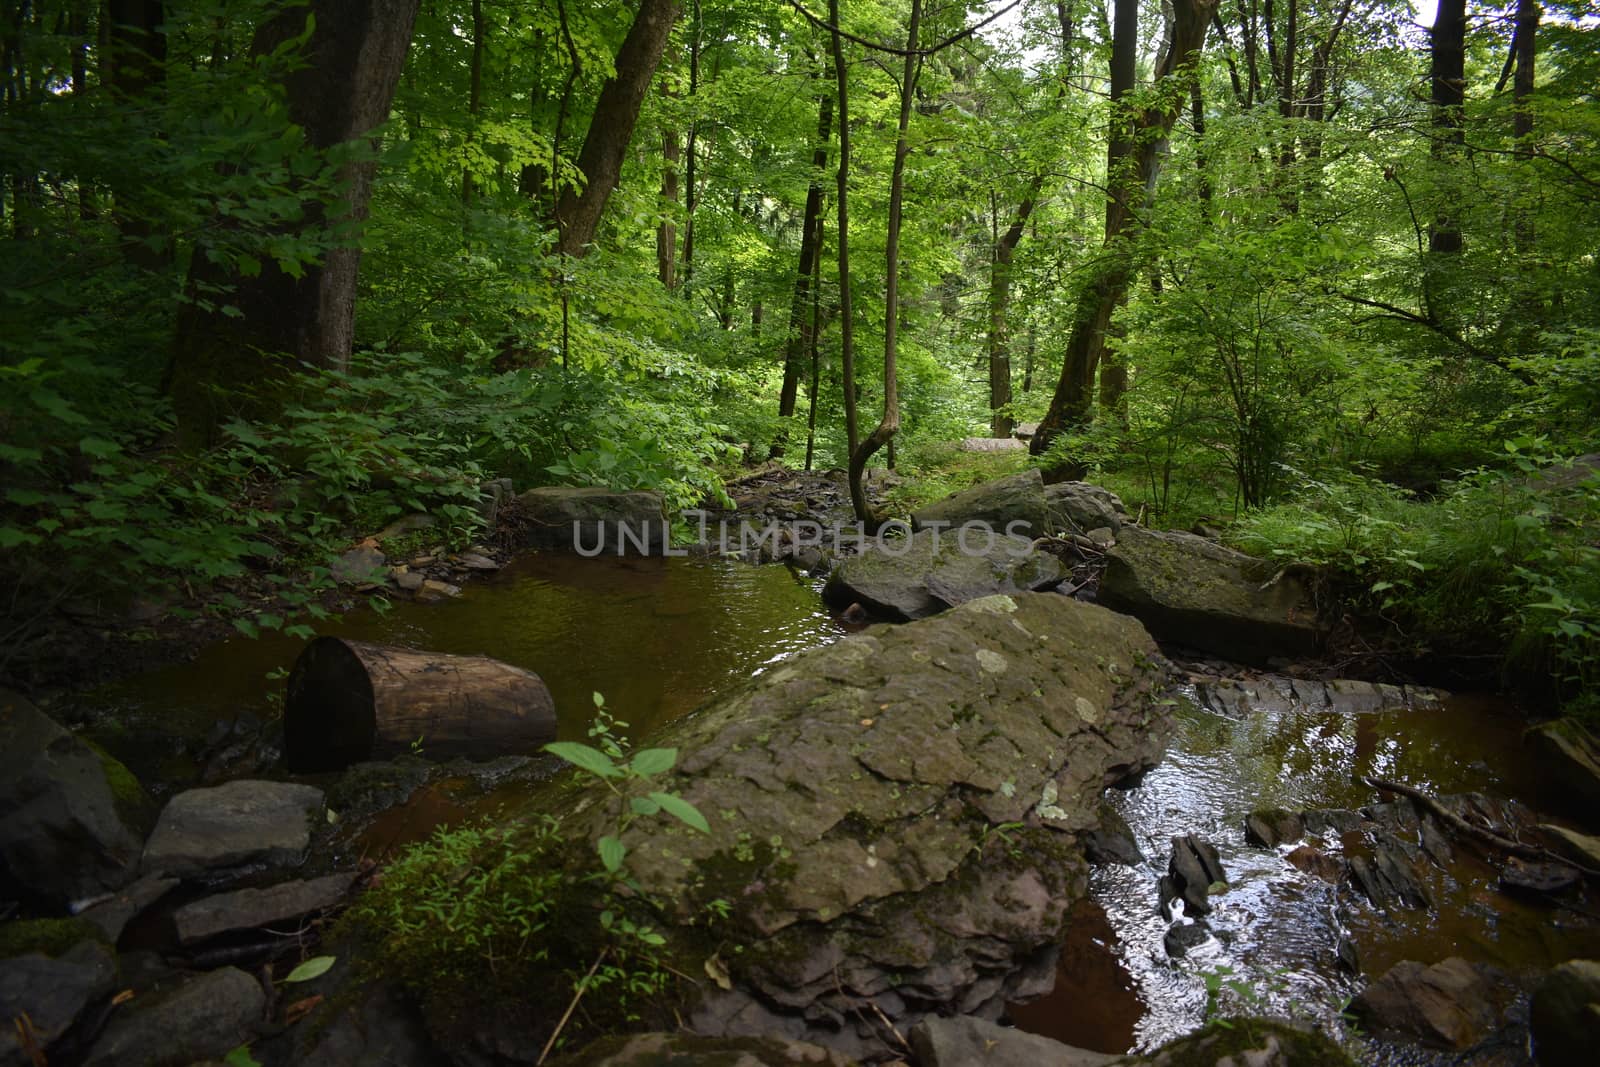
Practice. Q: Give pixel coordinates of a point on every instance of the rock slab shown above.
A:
(659, 1050)
(247, 909)
(240, 823)
(72, 819)
(50, 993)
(204, 1018)
(931, 571)
(1197, 593)
(1017, 498)
(1450, 1005)
(964, 1040)
(593, 521)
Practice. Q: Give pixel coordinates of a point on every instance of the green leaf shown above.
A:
(643, 805)
(612, 852)
(686, 812)
(580, 755)
(652, 761)
(241, 1057)
(315, 967)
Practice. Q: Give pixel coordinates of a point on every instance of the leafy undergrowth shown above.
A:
(1506, 561)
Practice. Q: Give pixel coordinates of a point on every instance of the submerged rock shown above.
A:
(931, 571)
(1196, 593)
(661, 1050)
(1249, 1043)
(1452, 1004)
(1194, 872)
(1271, 827)
(72, 819)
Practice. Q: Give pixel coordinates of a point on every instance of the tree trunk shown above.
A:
(667, 231)
(847, 350)
(1447, 75)
(611, 127)
(816, 362)
(1132, 156)
(474, 99)
(135, 69)
(349, 702)
(341, 94)
(1005, 247)
(798, 340)
(889, 425)
(1528, 13)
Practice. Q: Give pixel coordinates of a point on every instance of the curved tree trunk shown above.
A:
(1133, 155)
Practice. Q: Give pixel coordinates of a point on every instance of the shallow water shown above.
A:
(655, 636)
(1277, 928)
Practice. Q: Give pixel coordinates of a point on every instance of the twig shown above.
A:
(893, 1029)
(577, 995)
(1488, 837)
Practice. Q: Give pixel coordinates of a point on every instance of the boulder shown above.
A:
(1564, 1015)
(659, 1050)
(896, 817)
(1017, 498)
(72, 819)
(1315, 862)
(1084, 507)
(1112, 841)
(1450, 1005)
(241, 823)
(1569, 759)
(1194, 871)
(1181, 937)
(111, 915)
(922, 575)
(50, 992)
(203, 1018)
(360, 566)
(1192, 592)
(1388, 875)
(592, 521)
(352, 1025)
(246, 909)
(1580, 848)
(963, 1041)
(1271, 827)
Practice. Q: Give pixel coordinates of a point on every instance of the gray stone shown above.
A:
(1196, 593)
(359, 566)
(1271, 827)
(368, 1027)
(1451, 1005)
(111, 915)
(1085, 508)
(1569, 759)
(899, 810)
(72, 819)
(1388, 876)
(1194, 869)
(657, 1050)
(405, 525)
(432, 591)
(1017, 498)
(1578, 847)
(1314, 861)
(204, 1018)
(1360, 698)
(930, 571)
(1564, 1016)
(475, 561)
(247, 909)
(408, 580)
(1183, 937)
(242, 822)
(1112, 841)
(492, 496)
(593, 521)
(963, 1041)
(50, 993)
(992, 444)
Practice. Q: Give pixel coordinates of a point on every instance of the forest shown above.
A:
(276, 273)
(1277, 322)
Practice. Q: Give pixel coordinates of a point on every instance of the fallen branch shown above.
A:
(1488, 837)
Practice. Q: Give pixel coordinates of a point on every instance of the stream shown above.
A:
(660, 636)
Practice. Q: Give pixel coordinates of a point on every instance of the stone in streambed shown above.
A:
(1271, 827)
(1451, 1005)
(1564, 1015)
(247, 909)
(50, 992)
(203, 1018)
(661, 1050)
(1015, 504)
(930, 571)
(964, 1040)
(239, 823)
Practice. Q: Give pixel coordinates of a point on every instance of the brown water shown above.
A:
(1276, 928)
(656, 636)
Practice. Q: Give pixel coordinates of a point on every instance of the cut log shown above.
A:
(351, 701)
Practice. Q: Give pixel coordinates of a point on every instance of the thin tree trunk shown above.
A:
(798, 340)
(847, 351)
(1001, 257)
(889, 425)
(667, 231)
(691, 191)
(474, 100)
(135, 68)
(815, 339)
(1528, 13)
(611, 127)
(1133, 154)
(1447, 75)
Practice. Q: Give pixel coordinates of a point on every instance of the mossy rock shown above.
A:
(687, 1050)
(1258, 1042)
(49, 936)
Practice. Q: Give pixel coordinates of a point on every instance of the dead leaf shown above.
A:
(300, 1009)
(717, 971)
(122, 997)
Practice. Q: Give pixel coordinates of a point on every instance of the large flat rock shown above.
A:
(1017, 498)
(50, 992)
(593, 521)
(933, 570)
(240, 823)
(246, 909)
(1197, 593)
(202, 1019)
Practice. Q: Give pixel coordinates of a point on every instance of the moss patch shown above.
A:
(49, 936)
